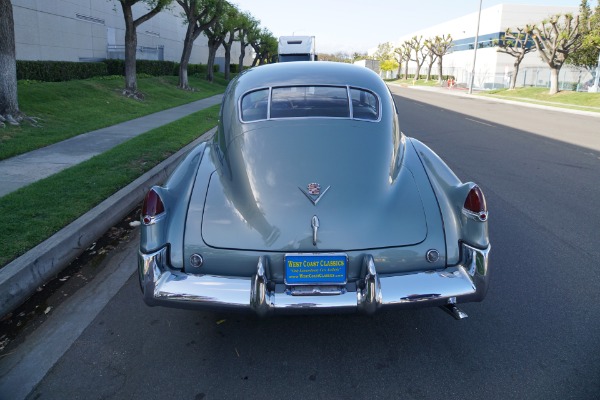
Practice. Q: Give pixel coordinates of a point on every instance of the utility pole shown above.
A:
(475, 50)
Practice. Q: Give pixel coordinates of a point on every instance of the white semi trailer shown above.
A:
(297, 48)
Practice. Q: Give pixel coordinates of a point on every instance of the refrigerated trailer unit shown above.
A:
(297, 48)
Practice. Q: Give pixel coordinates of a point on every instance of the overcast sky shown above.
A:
(357, 25)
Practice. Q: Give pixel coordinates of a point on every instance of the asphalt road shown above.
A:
(536, 335)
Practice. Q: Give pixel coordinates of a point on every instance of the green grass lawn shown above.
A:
(34, 213)
(576, 100)
(71, 108)
(420, 82)
(564, 99)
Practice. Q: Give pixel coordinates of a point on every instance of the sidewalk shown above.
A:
(27, 168)
(20, 278)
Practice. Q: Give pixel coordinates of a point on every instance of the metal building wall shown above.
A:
(84, 30)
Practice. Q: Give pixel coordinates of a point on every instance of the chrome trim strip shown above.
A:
(468, 281)
(314, 222)
(481, 216)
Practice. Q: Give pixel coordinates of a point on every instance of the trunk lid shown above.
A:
(259, 199)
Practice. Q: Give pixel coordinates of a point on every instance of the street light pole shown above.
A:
(597, 78)
(475, 49)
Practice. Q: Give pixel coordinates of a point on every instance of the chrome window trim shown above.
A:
(350, 101)
(252, 91)
(379, 105)
(349, 97)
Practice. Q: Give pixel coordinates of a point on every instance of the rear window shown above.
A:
(255, 105)
(364, 105)
(309, 102)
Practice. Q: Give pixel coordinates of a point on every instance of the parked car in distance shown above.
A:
(309, 199)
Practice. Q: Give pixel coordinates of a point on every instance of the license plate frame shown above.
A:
(315, 269)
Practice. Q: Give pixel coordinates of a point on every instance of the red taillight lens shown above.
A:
(152, 206)
(475, 203)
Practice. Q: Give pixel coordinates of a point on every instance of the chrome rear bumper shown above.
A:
(163, 286)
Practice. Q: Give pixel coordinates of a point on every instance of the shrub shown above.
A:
(59, 71)
(155, 68)
(115, 67)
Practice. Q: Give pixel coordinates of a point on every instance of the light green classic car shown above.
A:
(310, 199)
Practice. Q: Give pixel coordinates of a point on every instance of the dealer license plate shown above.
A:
(315, 268)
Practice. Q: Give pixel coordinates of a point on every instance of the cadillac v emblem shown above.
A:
(313, 192)
(314, 189)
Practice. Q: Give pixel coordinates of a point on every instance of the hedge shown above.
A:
(59, 71)
(155, 68)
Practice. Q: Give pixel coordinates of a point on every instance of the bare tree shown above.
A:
(200, 14)
(403, 53)
(440, 46)
(399, 59)
(419, 51)
(516, 44)
(555, 38)
(155, 6)
(9, 103)
(431, 56)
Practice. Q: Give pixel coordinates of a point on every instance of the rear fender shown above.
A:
(451, 194)
(167, 229)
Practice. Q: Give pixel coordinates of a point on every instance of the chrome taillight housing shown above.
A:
(152, 208)
(475, 205)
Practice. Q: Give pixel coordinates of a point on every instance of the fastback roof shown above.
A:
(309, 73)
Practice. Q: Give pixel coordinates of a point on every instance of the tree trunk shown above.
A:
(242, 56)
(406, 70)
(256, 57)
(429, 67)
(417, 73)
(440, 71)
(130, 50)
(513, 78)
(227, 44)
(399, 73)
(227, 62)
(213, 45)
(554, 80)
(9, 104)
(183, 65)
(188, 44)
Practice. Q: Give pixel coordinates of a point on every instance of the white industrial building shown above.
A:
(492, 68)
(93, 30)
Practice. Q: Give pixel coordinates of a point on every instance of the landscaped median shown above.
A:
(38, 211)
(581, 101)
(68, 109)
(565, 99)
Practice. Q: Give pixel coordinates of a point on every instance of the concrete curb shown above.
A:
(20, 278)
(498, 100)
